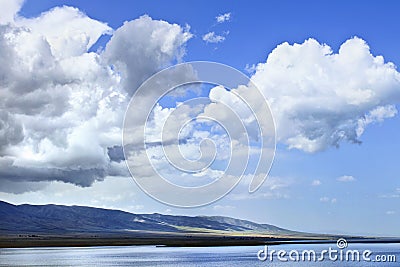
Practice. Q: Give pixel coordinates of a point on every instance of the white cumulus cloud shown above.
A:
(9, 10)
(223, 17)
(142, 47)
(316, 183)
(68, 31)
(62, 107)
(346, 178)
(212, 37)
(320, 98)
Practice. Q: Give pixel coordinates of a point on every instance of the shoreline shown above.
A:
(172, 240)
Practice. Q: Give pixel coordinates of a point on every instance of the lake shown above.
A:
(204, 256)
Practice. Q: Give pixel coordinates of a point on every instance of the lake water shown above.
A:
(166, 256)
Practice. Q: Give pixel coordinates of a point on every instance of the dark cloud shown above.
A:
(11, 132)
(80, 177)
(116, 153)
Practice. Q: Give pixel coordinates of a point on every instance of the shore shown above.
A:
(169, 239)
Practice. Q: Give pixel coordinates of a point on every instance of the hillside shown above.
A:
(58, 219)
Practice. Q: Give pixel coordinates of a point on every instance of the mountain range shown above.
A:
(58, 225)
(59, 219)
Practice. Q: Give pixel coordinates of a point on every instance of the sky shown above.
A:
(328, 71)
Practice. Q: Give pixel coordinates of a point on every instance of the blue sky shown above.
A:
(258, 26)
(352, 189)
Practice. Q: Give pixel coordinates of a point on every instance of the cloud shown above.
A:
(346, 178)
(320, 98)
(113, 193)
(324, 199)
(316, 183)
(212, 37)
(396, 194)
(59, 107)
(28, 72)
(251, 69)
(223, 208)
(223, 17)
(15, 188)
(141, 47)
(68, 31)
(377, 115)
(273, 188)
(308, 113)
(62, 106)
(276, 183)
(9, 9)
(80, 176)
(327, 199)
(11, 132)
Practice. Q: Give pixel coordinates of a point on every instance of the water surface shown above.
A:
(168, 256)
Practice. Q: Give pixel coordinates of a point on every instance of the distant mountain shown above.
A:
(58, 219)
